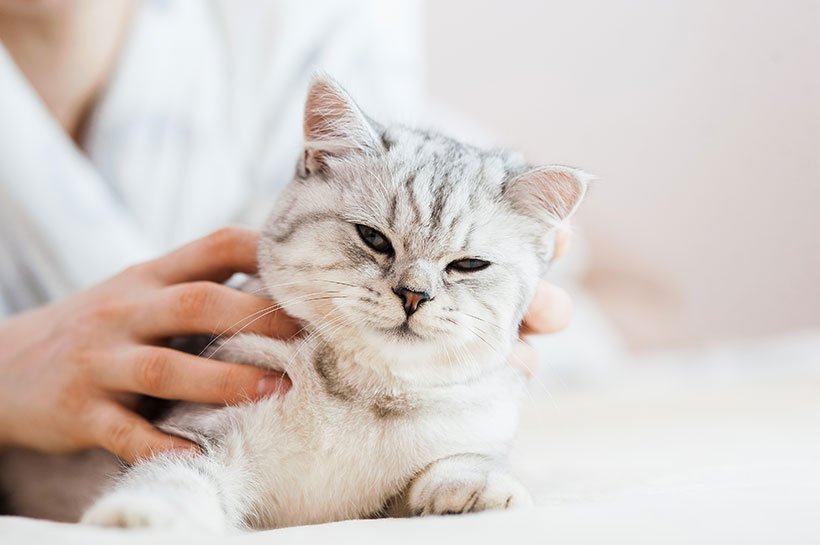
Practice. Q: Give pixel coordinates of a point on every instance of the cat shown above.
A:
(410, 258)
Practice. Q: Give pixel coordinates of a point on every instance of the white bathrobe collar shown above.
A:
(161, 134)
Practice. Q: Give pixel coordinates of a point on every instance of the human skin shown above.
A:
(72, 372)
(67, 50)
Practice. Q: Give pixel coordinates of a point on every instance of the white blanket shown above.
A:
(719, 446)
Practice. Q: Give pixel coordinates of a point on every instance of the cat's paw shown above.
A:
(470, 493)
(134, 510)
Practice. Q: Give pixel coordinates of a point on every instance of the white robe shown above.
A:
(199, 127)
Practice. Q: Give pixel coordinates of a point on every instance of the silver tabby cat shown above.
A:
(410, 258)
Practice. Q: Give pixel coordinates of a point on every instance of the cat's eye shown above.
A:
(374, 239)
(468, 265)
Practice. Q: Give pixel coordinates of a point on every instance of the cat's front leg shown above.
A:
(464, 483)
(181, 492)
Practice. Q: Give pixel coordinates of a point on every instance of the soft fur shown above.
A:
(389, 412)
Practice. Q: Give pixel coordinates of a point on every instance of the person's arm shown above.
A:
(70, 372)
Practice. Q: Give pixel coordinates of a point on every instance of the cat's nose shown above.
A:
(411, 299)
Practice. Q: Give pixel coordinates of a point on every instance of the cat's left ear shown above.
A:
(334, 126)
(549, 194)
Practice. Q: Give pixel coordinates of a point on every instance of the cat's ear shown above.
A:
(334, 126)
(550, 194)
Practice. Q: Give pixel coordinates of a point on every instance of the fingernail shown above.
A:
(272, 385)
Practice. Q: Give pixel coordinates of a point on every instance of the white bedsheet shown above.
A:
(718, 446)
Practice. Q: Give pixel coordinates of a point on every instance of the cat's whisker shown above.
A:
(316, 332)
(335, 282)
(329, 328)
(480, 319)
(268, 287)
(252, 317)
(256, 316)
(319, 298)
(463, 356)
(512, 354)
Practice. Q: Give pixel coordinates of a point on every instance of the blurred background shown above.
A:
(696, 259)
(702, 121)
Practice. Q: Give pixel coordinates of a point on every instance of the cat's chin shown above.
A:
(388, 342)
(404, 333)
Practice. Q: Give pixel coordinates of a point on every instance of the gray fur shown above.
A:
(414, 412)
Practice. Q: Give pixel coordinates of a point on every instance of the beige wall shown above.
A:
(702, 119)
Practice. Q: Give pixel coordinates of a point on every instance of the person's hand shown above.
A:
(550, 311)
(71, 372)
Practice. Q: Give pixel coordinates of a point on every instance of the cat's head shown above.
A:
(414, 248)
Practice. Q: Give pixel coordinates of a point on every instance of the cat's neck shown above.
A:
(380, 366)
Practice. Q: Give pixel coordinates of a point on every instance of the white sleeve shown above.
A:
(60, 227)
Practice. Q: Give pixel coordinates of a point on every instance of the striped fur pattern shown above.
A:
(391, 411)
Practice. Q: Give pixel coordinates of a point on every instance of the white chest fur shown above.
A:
(331, 451)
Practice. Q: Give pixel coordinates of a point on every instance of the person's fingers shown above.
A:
(122, 432)
(550, 310)
(524, 358)
(170, 374)
(562, 242)
(211, 309)
(215, 257)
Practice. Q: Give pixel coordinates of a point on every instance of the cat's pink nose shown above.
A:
(411, 299)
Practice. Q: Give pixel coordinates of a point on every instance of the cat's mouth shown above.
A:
(403, 332)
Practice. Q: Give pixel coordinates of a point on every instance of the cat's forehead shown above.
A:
(434, 192)
(445, 159)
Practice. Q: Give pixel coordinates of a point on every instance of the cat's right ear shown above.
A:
(334, 126)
